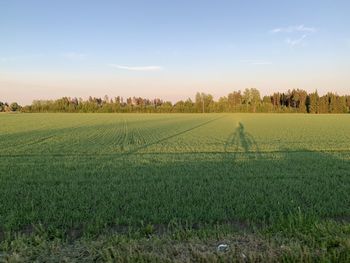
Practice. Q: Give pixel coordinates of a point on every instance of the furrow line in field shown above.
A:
(90, 135)
(173, 135)
(125, 137)
(73, 135)
(157, 133)
(117, 133)
(30, 139)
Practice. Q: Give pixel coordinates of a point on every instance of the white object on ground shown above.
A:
(222, 248)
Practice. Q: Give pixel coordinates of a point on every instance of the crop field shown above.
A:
(271, 186)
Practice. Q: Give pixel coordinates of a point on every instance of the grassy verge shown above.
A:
(294, 239)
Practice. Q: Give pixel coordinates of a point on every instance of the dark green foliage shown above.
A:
(248, 101)
(4, 106)
(15, 107)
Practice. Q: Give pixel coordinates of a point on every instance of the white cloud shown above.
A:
(297, 41)
(73, 55)
(300, 33)
(137, 68)
(256, 62)
(292, 29)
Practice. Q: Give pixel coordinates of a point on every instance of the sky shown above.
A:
(171, 49)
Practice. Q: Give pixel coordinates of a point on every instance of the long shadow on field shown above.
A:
(30, 138)
(195, 190)
(240, 141)
(172, 136)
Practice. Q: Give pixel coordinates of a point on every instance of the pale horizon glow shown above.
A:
(171, 50)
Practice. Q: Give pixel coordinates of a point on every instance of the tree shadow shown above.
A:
(235, 193)
(241, 142)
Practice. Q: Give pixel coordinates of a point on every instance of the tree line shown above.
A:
(250, 100)
(5, 107)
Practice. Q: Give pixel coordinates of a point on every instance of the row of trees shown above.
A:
(249, 100)
(5, 107)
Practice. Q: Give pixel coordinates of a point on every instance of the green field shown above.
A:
(68, 181)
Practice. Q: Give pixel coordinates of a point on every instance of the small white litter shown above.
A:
(222, 248)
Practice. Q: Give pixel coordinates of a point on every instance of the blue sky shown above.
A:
(171, 49)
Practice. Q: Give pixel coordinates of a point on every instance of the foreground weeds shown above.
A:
(326, 241)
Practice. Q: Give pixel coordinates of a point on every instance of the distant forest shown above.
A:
(250, 100)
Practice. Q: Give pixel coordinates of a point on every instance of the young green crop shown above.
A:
(97, 171)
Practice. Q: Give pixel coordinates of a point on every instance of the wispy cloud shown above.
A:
(256, 62)
(292, 29)
(73, 55)
(297, 41)
(137, 68)
(299, 32)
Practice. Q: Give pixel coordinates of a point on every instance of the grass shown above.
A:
(73, 184)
